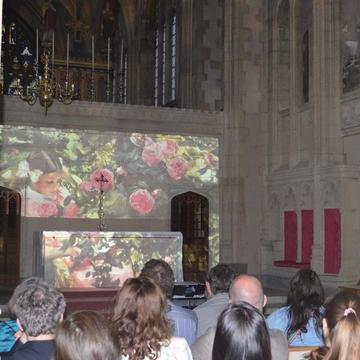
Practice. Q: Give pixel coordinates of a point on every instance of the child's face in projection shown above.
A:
(48, 184)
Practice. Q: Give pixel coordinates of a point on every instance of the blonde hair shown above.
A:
(344, 327)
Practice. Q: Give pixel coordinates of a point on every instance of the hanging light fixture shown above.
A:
(45, 87)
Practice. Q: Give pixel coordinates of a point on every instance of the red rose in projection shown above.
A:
(169, 148)
(152, 154)
(96, 176)
(177, 168)
(141, 201)
(47, 210)
(71, 211)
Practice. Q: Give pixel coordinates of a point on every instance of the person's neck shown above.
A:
(41, 337)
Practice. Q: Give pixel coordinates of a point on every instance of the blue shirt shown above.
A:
(184, 322)
(7, 331)
(279, 319)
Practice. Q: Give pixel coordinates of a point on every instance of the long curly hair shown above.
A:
(139, 318)
(305, 299)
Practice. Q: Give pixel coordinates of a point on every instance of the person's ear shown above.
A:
(208, 288)
(61, 318)
(19, 325)
(265, 301)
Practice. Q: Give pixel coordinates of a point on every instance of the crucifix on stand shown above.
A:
(102, 180)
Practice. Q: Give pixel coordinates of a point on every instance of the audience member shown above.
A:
(341, 327)
(38, 308)
(10, 334)
(86, 335)
(184, 321)
(217, 287)
(241, 333)
(249, 289)
(301, 319)
(141, 323)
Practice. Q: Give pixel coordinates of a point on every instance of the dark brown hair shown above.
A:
(86, 335)
(140, 320)
(241, 333)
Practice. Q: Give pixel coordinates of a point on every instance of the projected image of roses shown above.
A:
(152, 154)
(177, 168)
(106, 175)
(141, 201)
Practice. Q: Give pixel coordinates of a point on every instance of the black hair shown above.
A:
(220, 278)
(305, 298)
(241, 333)
(45, 161)
(161, 272)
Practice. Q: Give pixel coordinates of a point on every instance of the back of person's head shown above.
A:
(39, 308)
(24, 285)
(305, 298)
(86, 335)
(241, 333)
(247, 288)
(343, 326)
(139, 318)
(161, 272)
(220, 278)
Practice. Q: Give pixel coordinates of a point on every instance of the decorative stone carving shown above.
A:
(289, 198)
(274, 203)
(329, 194)
(306, 196)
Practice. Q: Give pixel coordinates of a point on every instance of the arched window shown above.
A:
(283, 58)
(190, 216)
(166, 54)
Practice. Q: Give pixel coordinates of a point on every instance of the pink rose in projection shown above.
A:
(86, 186)
(152, 154)
(211, 160)
(177, 168)
(47, 210)
(108, 177)
(141, 201)
(71, 211)
(169, 148)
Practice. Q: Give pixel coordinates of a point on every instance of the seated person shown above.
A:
(10, 334)
(86, 335)
(301, 319)
(38, 308)
(141, 323)
(243, 288)
(241, 333)
(341, 327)
(184, 321)
(217, 287)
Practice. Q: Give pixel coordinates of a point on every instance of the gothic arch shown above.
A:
(190, 216)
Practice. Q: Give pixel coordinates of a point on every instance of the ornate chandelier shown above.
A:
(46, 89)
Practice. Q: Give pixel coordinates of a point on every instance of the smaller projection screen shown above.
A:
(105, 259)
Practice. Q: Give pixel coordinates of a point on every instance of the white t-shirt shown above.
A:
(178, 349)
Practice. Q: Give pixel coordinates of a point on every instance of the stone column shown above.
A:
(243, 147)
